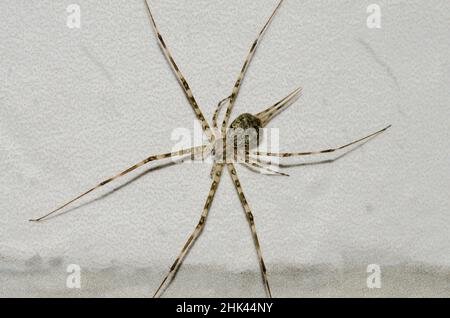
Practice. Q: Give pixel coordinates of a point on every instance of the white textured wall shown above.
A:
(77, 106)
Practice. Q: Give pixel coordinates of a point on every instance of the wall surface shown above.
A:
(79, 105)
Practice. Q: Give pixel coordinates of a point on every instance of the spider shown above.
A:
(218, 146)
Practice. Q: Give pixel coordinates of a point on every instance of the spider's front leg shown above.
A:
(190, 151)
(180, 77)
(240, 79)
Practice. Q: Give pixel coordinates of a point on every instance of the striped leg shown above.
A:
(238, 84)
(182, 80)
(251, 221)
(311, 153)
(198, 229)
(216, 127)
(213, 170)
(253, 165)
(217, 111)
(182, 152)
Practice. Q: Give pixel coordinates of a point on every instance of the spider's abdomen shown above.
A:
(245, 130)
(246, 121)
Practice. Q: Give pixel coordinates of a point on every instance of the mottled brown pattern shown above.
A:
(246, 121)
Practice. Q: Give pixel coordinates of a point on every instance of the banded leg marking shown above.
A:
(181, 79)
(251, 221)
(237, 85)
(198, 229)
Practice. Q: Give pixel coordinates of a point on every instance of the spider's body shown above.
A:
(246, 121)
(244, 131)
(246, 128)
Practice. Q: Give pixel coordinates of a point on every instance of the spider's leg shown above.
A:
(182, 152)
(182, 80)
(217, 111)
(251, 221)
(267, 115)
(253, 165)
(198, 229)
(311, 153)
(250, 55)
(213, 170)
(216, 127)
